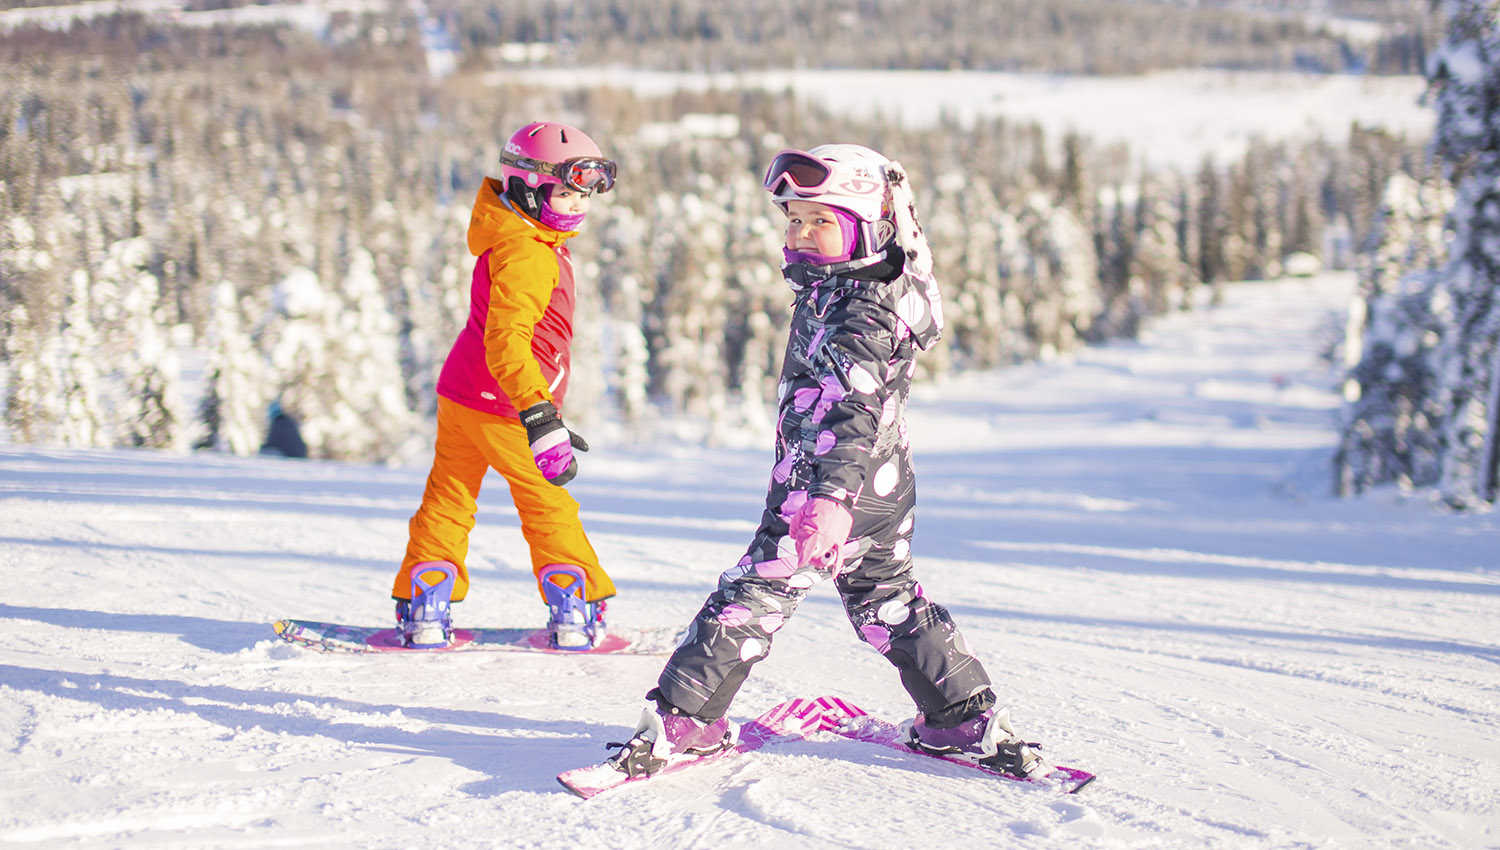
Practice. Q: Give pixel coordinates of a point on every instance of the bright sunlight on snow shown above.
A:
(1140, 544)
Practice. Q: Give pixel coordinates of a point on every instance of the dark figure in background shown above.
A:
(283, 437)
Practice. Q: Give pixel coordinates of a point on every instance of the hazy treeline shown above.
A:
(215, 219)
(1066, 36)
(1060, 36)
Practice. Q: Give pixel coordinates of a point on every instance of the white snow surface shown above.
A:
(1139, 543)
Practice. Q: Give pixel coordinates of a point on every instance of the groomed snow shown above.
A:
(1139, 543)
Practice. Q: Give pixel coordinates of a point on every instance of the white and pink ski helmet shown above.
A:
(851, 178)
(547, 153)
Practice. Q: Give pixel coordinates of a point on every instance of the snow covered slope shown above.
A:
(1139, 544)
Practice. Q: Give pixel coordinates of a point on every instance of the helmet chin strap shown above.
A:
(511, 204)
(529, 199)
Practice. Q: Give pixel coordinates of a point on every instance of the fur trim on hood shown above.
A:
(908, 231)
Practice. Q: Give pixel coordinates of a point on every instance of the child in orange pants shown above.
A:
(499, 394)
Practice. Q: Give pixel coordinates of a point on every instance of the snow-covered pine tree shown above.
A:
(232, 415)
(1115, 246)
(690, 311)
(84, 422)
(1394, 414)
(1425, 393)
(1210, 224)
(621, 235)
(1159, 276)
(758, 310)
(1465, 76)
(30, 308)
(335, 359)
(149, 414)
(962, 224)
(1058, 285)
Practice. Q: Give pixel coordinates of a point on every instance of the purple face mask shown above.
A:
(556, 220)
(848, 229)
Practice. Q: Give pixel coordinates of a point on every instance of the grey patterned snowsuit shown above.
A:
(841, 435)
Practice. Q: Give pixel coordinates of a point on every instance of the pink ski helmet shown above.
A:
(848, 178)
(545, 153)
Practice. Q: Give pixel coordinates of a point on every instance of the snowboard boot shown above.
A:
(425, 620)
(986, 738)
(573, 624)
(661, 736)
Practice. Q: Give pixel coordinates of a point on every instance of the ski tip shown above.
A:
(1086, 782)
(577, 793)
(591, 781)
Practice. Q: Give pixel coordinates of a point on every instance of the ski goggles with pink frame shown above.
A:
(584, 173)
(805, 173)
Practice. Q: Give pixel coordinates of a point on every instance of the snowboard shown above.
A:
(799, 718)
(335, 637)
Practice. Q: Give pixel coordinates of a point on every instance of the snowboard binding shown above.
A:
(573, 624)
(425, 620)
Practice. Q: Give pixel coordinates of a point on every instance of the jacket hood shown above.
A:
(496, 220)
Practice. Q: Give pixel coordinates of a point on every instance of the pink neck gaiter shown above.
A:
(556, 220)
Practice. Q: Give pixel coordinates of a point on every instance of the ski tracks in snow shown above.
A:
(1137, 542)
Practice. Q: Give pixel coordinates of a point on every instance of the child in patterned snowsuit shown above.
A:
(842, 491)
(499, 394)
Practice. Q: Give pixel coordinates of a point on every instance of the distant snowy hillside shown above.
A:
(1170, 119)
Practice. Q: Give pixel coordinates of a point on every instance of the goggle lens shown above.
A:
(803, 171)
(588, 175)
(584, 173)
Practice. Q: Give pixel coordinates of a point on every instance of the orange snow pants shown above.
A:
(469, 444)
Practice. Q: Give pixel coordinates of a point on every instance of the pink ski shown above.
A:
(791, 719)
(853, 722)
(800, 718)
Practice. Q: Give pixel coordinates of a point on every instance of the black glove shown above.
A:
(552, 444)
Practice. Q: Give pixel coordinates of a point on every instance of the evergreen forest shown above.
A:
(201, 213)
